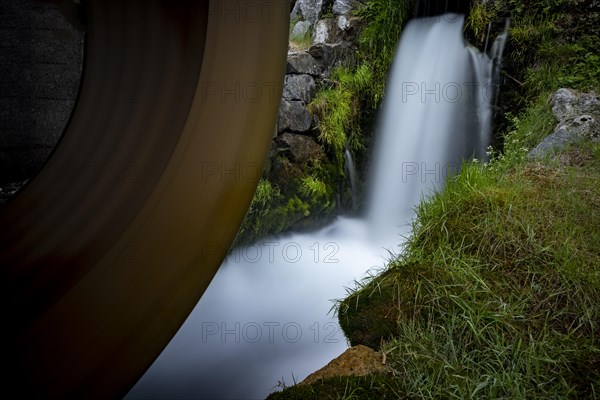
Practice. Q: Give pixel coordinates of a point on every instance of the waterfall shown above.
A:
(436, 113)
(265, 316)
(352, 176)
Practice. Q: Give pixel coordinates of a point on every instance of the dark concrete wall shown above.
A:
(40, 69)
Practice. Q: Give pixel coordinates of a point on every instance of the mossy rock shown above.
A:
(370, 317)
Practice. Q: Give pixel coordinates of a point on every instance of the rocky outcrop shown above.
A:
(578, 116)
(356, 361)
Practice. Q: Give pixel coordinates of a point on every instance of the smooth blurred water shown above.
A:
(266, 316)
(436, 114)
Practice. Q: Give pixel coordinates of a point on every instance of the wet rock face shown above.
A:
(578, 116)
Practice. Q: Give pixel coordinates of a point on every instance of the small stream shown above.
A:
(266, 317)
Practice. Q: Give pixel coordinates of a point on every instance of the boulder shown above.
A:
(578, 116)
(300, 30)
(330, 56)
(293, 116)
(302, 63)
(562, 103)
(344, 7)
(551, 143)
(576, 112)
(299, 148)
(339, 30)
(308, 10)
(323, 30)
(299, 87)
(356, 361)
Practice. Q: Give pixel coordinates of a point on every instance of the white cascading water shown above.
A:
(266, 316)
(352, 177)
(436, 114)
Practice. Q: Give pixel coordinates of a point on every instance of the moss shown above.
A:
(300, 196)
(370, 316)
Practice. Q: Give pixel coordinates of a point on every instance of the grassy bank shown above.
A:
(498, 291)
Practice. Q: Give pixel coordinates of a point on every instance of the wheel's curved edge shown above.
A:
(103, 263)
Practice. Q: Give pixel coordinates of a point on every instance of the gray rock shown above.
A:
(343, 23)
(293, 116)
(302, 63)
(328, 56)
(308, 10)
(576, 112)
(578, 115)
(562, 103)
(300, 30)
(339, 30)
(299, 87)
(299, 148)
(323, 30)
(553, 143)
(344, 7)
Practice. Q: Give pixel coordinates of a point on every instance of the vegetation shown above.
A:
(338, 109)
(497, 292)
(303, 199)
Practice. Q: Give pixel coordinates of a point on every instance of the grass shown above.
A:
(481, 15)
(497, 294)
(338, 108)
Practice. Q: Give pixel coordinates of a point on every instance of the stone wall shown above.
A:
(334, 42)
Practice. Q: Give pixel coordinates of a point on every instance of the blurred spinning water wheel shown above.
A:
(107, 249)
